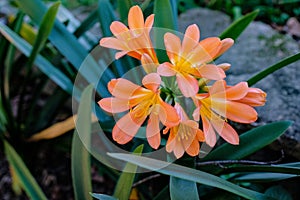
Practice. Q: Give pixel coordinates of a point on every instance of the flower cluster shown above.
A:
(191, 62)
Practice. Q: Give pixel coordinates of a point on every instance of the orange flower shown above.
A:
(185, 136)
(134, 41)
(189, 59)
(254, 97)
(226, 102)
(142, 102)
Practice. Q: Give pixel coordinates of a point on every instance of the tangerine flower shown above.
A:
(135, 40)
(190, 59)
(143, 103)
(224, 102)
(185, 136)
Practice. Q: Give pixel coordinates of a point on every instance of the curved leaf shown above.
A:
(43, 64)
(81, 163)
(237, 27)
(164, 20)
(124, 184)
(123, 8)
(273, 68)
(103, 196)
(181, 189)
(188, 174)
(250, 142)
(43, 33)
(27, 181)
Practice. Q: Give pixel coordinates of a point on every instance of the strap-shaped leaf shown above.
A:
(123, 8)
(27, 181)
(43, 32)
(103, 196)
(124, 184)
(188, 174)
(250, 142)
(165, 22)
(261, 75)
(181, 189)
(81, 164)
(237, 27)
(43, 64)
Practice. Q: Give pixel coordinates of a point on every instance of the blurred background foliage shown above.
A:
(41, 50)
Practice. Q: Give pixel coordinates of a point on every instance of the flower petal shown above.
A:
(211, 72)
(118, 28)
(153, 131)
(173, 46)
(148, 64)
(114, 105)
(209, 132)
(166, 69)
(120, 54)
(187, 84)
(241, 113)
(218, 89)
(149, 22)
(194, 148)
(152, 81)
(205, 51)
(171, 143)
(113, 43)
(255, 97)
(126, 128)
(135, 18)
(191, 39)
(167, 114)
(226, 132)
(226, 44)
(211, 45)
(122, 88)
(237, 92)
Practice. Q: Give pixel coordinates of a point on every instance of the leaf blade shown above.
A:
(249, 142)
(264, 73)
(124, 184)
(80, 160)
(188, 174)
(237, 27)
(27, 181)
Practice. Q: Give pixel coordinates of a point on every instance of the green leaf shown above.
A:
(278, 192)
(237, 27)
(29, 184)
(181, 189)
(273, 68)
(264, 168)
(163, 13)
(164, 194)
(164, 20)
(60, 37)
(43, 33)
(106, 16)
(88, 23)
(188, 174)
(103, 196)
(262, 177)
(81, 163)
(44, 65)
(250, 142)
(123, 8)
(124, 184)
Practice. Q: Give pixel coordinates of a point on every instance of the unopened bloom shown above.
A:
(190, 59)
(226, 102)
(133, 41)
(185, 136)
(142, 102)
